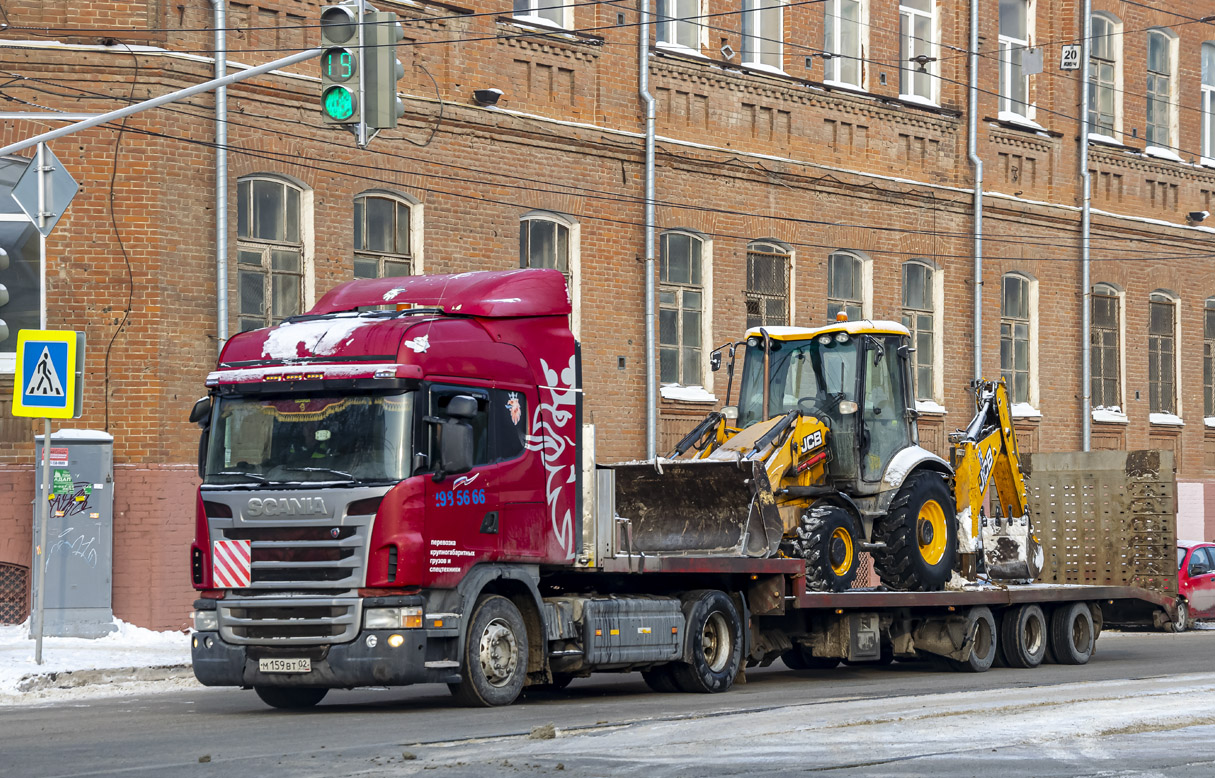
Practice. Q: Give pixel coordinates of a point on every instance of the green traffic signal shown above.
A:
(338, 103)
(341, 41)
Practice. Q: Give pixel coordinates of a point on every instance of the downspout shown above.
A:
(1086, 350)
(219, 8)
(972, 151)
(651, 347)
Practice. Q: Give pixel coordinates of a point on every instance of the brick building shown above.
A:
(811, 156)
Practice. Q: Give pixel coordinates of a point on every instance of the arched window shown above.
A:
(1162, 352)
(767, 292)
(383, 235)
(1161, 87)
(544, 241)
(1016, 333)
(681, 308)
(845, 285)
(269, 251)
(1105, 76)
(1106, 354)
(919, 317)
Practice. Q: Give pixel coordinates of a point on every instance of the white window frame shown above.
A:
(866, 267)
(1032, 396)
(1169, 148)
(670, 27)
(573, 258)
(1172, 298)
(1208, 362)
(832, 26)
(307, 244)
(1113, 290)
(936, 295)
(911, 45)
(1115, 38)
(416, 242)
(1008, 111)
(530, 11)
(756, 37)
(1208, 102)
(786, 251)
(706, 313)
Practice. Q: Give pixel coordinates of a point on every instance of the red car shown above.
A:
(1195, 583)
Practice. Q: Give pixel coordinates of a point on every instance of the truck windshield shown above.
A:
(807, 375)
(349, 438)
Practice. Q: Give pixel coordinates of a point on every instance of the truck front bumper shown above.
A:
(341, 665)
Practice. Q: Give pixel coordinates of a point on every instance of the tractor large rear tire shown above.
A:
(827, 540)
(920, 536)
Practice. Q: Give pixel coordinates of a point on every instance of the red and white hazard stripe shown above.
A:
(233, 563)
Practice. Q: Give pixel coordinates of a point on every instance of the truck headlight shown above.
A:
(393, 618)
(206, 621)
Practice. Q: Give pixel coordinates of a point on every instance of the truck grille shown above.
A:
(289, 621)
(295, 557)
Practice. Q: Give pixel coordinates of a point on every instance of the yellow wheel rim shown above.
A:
(840, 546)
(931, 532)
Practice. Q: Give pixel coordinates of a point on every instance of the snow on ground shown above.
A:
(123, 662)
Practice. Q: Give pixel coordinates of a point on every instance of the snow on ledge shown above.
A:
(1008, 117)
(687, 394)
(1099, 138)
(1209, 421)
(1110, 415)
(1166, 418)
(1025, 411)
(75, 434)
(928, 406)
(678, 48)
(1163, 153)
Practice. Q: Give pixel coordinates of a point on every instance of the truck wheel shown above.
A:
(494, 664)
(982, 629)
(1071, 633)
(826, 539)
(799, 658)
(660, 679)
(715, 638)
(1023, 636)
(1182, 622)
(920, 534)
(290, 697)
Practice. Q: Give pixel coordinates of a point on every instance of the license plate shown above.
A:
(303, 665)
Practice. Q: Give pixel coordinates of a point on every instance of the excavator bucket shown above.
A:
(697, 507)
(1011, 551)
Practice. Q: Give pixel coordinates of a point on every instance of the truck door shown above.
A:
(461, 509)
(884, 409)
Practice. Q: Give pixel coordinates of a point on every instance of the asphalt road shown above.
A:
(376, 731)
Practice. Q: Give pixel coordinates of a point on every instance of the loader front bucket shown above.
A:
(698, 507)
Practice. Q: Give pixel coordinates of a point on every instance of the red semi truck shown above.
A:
(398, 488)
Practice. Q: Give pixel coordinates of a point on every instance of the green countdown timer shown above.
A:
(338, 103)
(337, 65)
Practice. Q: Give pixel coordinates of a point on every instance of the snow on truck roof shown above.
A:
(861, 326)
(492, 294)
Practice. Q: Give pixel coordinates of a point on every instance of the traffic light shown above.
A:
(340, 63)
(383, 32)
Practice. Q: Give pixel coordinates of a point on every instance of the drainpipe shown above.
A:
(219, 8)
(1086, 351)
(972, 150)
(651, 347)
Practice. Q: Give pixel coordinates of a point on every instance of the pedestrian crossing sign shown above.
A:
(47, 380)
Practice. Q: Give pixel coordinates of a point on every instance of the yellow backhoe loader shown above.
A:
(830, 414)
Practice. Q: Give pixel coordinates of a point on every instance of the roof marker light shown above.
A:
(841, 316)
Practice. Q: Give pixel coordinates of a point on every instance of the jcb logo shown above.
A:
(286, 506)
(812, 441)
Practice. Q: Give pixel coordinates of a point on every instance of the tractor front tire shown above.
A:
(920, 536)
(827, 540)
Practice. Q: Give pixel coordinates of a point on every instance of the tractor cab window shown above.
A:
(884, 410)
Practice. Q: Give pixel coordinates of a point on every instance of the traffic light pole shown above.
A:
(166, 99)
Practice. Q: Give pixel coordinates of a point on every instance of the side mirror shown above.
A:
(455, 448)
(715, 360)
(730, 412)
(200, 414)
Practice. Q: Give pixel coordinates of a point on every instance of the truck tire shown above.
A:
(920, 536)
(827, 540)
(981, 626)
(1023, 634)
(1071, 633)
(660, 679)
(290, 697)
(494, 665)
(800, 658)
(715, 641)
(1182, 622)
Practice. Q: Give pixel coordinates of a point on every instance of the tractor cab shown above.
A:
(852, 376)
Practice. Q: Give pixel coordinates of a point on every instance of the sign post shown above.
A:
(48, 383)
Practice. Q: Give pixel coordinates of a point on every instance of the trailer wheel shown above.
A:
(981, 627)
(1071, 633)
(290, 697)
(800, 658)
(1182, 622)
(826, 539)
(715, 638)
(660, 679)
(920, 536)
(494, 664)
(1023, 636)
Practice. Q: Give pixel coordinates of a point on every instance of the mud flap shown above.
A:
(699, 507)
(1011, 551)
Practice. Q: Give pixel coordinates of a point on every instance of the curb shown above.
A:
(70, 679)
